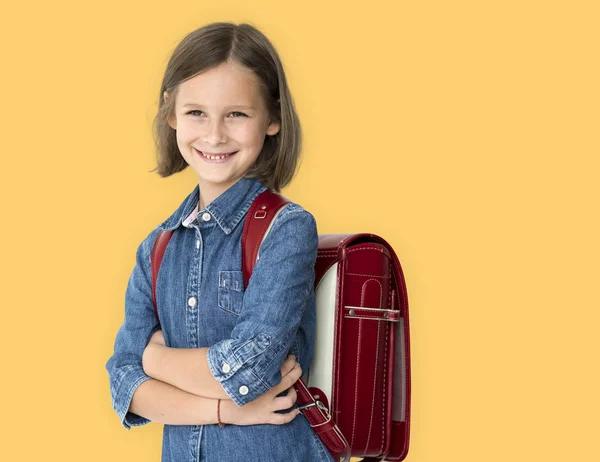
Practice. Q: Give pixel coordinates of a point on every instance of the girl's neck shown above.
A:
(210, 191)
(206, 197)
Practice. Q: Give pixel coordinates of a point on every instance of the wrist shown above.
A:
(229, 411)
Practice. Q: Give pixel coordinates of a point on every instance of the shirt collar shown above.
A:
(227, 209)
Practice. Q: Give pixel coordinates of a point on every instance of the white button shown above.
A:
(197, 243)
(206, 216)
(192, 301)
(226, 368)
(243, 390)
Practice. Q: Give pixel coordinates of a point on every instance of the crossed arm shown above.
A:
(185, 407)
(184, 368)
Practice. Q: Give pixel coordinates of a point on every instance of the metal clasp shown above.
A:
(260, 214)
(317, 403)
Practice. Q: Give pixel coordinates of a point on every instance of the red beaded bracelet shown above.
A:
(221, 424)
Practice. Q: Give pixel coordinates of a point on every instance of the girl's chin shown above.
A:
(224, 180)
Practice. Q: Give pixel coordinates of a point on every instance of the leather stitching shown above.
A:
(369, 275)
(374, 384)
(356, 381)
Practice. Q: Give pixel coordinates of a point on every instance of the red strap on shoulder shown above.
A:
(259, 217)
(160, 244)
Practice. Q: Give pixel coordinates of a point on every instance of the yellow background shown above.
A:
(464, 132)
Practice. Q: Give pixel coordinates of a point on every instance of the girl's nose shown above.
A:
(216, 133)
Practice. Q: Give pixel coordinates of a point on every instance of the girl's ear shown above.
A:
(172, 120)
(273, 128)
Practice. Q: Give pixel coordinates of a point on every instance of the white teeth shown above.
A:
(215, 157)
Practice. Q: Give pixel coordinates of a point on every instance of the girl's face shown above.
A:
(221, 112)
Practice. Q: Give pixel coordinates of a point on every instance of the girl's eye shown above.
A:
(197, 111)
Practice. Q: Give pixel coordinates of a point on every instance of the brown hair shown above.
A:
(207, 47)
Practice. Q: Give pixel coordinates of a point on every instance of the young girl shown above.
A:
(218, 368)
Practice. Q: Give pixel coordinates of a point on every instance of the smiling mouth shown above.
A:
(215, 156)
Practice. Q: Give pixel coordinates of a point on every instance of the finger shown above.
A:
(288, 365)
(294, 374)
(287, 401)
(289, 380)
(292, 395)
(280, 419)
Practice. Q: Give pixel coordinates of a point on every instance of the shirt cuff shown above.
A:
(131, 378)
(232, 366)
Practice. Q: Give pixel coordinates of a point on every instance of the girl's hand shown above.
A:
(158, 337)
(262, 410)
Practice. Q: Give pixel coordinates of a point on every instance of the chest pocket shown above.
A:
(231, 291)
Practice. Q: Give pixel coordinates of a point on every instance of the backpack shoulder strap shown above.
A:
(160, 244)
(258, 221)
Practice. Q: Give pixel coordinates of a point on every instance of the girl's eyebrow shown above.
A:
(239, 106)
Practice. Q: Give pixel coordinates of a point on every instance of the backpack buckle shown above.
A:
(317, 403)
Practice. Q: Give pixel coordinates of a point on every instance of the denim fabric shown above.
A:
(250, 330)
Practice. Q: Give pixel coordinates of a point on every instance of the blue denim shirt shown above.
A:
(202, 302)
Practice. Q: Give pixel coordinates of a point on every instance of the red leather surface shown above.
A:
(261, 213)
(160, 245)
(361, 393)
(321, 422)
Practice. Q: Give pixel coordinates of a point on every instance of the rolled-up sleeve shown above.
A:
(279, 291)
(124, 367)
